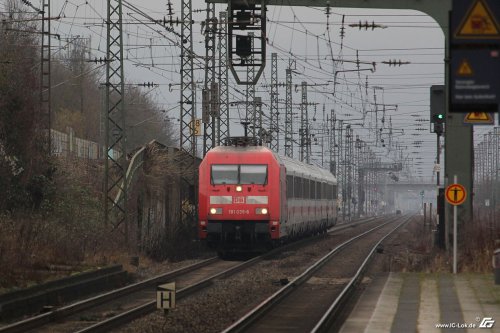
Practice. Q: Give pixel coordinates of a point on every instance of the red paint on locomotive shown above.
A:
(244, 203)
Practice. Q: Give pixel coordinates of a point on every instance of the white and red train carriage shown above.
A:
(251, 199)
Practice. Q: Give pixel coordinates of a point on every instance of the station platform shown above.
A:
(427, 303)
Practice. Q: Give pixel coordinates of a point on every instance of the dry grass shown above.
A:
(68, 235)
(65, 235)
(478, 245)
(416, 251)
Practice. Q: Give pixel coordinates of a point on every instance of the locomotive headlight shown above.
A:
(214, 211)
(261, 211)
(239, 188)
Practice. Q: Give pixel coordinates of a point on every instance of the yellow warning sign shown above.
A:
(478, 22)
(479, 118)
(195, 126)
(464, 69)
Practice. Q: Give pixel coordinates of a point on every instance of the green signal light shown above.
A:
(440, 116)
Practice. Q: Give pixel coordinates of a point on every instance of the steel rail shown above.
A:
(127, 316)
(37, 321)
(256, 313)
(149, 307)
(329, 316)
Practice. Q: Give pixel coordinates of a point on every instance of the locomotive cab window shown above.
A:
(224, 174)
(253, 174)
(232, 174)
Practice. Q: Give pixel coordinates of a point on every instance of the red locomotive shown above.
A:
(251, 199)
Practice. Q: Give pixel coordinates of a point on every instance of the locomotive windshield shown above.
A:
(224, 174)
(232, 174)
(253, 174)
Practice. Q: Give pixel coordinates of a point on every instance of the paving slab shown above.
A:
(427, 303)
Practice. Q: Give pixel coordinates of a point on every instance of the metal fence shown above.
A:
(66, 144)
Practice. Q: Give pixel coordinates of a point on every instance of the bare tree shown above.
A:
(24, 169)
(145, 120)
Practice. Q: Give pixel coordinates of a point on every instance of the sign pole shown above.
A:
(455, 232)
(455, 195)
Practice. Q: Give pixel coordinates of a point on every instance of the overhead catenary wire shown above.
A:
(314, 68)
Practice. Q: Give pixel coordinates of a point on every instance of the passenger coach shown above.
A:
(251, 199)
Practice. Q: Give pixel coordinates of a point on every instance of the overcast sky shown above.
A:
(152, 55)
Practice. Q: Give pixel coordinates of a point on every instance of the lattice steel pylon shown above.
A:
(45, 80)
(115, 205)
(187, 118)
(304, 119)
(261, 133)
(345, 175)
(210, 111)
(332, 143)
(289, 112)
(349, 160)
(223, 119)
(187, 138)
(274, 143)
(340, 162)
(250, 93)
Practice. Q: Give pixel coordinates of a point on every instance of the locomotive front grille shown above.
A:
(218, 227)
(238, 234)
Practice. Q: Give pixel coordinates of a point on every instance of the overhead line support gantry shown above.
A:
(115, 184)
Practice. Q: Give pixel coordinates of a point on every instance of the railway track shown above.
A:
(45, 322)
(35, 299)
(115, 308)
(305, 303)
